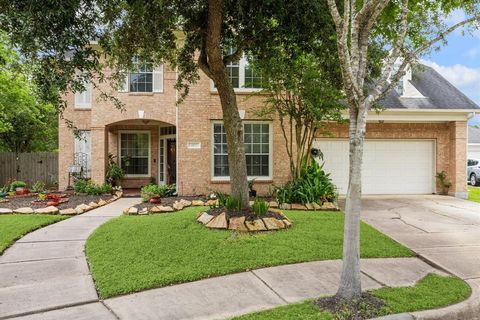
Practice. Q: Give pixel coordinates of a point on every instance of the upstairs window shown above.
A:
(83, 100)
(144, 77)
(242, 76)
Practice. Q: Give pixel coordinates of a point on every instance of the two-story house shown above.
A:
(422, 131)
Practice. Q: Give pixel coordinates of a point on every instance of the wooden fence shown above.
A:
(29, 167)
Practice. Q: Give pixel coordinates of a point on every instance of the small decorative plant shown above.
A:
(233, 204)
(38, 187)
(260, 207)
(114, 172)
(154, 191)
(221, 197)
(252, 192)
(19, 187)
(90, 188)
(443, 181)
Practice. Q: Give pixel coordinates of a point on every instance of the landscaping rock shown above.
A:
(309, 206)
(285, 206)
(143, 211)
(186, 203)
(81, 208)
(205, 218)
(5, 211)
(166, 209)
(178, 205)
(273, 224)
(297, 206)
(219, 222)
(237, 223)
(93, 204)
(119, 194)
(155, 210)
(273, 204)
(255, 225)
(287, 223)
(316, 206)
(47, 210)
(198, 203)
(68, 212)
(329, 206)
(102, 202)
(24, 210)
(212, 203)
(132, 211)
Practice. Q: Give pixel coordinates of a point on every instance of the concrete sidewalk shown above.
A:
(236, 294)
(47, 268)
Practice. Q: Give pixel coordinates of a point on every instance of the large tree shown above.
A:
(26, 124)
(191, 35)
(407, 29)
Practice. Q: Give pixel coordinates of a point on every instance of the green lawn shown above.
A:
(134, 253)
(431, 292)
(15, 226)
(474, 194)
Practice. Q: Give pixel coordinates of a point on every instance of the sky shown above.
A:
(459, 62)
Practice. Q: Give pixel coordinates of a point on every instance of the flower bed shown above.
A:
(55, 203)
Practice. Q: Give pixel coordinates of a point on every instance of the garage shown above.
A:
(389, 167)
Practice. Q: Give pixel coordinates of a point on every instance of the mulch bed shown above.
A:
(366, 307)
(31, 200)
(247, 213)
(169, 201)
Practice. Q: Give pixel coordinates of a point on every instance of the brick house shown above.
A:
(422, 131)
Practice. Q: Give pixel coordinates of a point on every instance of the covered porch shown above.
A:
(145, 149)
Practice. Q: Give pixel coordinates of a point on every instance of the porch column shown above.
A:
(99, 153)
(458, 159)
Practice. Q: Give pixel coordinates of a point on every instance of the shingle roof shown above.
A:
(437, 91)
(473, 134)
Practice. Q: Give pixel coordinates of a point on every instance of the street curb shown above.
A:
(467, 309)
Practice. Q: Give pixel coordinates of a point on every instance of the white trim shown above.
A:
(417, 115)
(149, 152)
(270, 152)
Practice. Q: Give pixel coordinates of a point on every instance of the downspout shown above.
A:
(176, 129)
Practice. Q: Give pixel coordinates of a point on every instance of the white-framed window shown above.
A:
(134, 153)
(258, 150)
(83, 151)
(242, 76)
(145, 77)
(83, 100)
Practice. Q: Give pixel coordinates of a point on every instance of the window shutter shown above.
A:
(158, 79)
(124, 84)
(87, 94)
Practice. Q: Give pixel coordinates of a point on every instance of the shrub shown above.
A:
(313, 185)
(114, 171)
(17, 184)
(232, 203)
(88, 187)
(154, 190)
(260, 207)
(38, 186)
(221, 197)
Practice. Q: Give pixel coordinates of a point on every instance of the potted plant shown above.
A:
(444, 182)
(19, 187)
(252, 192)
(114, 172)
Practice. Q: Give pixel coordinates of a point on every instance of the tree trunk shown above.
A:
(350, 281)
(231, 118)
(237, 163)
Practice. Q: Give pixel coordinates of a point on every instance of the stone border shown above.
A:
(326, 206)
(177, 206)
(240, 224)
(81, 208)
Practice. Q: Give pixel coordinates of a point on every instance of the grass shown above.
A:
(474, 194)
(431, 292)
(15, 226)
(134, 253)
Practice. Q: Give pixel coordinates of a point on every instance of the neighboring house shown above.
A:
(421, 132)
(473, 143)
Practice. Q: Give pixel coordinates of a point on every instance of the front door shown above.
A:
(171, 161)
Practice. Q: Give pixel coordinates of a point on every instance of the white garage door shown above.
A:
(389, 166)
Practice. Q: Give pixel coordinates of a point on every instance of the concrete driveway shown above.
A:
(444, 230)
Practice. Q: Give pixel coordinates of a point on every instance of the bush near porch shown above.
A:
(134, 253)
